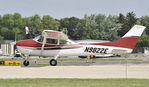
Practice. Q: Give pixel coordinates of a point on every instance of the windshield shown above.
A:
(39, 38)
(53, 41)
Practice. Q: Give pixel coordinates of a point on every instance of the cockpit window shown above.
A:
(40, 39)
(51, 41)
(63, 41)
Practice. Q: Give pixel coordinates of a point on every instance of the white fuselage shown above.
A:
(83, 50)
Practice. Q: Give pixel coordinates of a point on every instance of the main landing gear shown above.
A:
(53, 62)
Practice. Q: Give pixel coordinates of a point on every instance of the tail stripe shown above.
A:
(126, 42)
(129, 40)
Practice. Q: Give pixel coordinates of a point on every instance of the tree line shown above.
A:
(94, 26)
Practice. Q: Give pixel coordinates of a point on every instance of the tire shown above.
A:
(53, 62)
(26, 63)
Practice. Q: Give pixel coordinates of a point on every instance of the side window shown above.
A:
(51, 41)
(63, 41)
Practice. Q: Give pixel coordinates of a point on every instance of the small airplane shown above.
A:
(55, 44)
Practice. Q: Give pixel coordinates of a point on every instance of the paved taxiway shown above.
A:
(98, 63)
(94, 71)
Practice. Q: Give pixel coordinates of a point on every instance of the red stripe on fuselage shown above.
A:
(32, 43)
(126, 42)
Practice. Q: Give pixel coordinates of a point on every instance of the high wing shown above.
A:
(54, 35)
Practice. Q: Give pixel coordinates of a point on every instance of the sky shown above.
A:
(73, 8)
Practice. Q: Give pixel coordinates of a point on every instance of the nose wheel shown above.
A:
(53, 62)
(26, 63)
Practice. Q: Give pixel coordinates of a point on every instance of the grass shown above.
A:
(74, 82)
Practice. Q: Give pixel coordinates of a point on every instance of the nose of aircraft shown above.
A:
(26, 43)
(21, 43)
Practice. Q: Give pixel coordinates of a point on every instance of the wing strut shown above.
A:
(43, 44)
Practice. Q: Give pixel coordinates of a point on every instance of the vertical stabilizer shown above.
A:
(135, 31)
(129, 40)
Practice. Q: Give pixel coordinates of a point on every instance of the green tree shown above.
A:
(108, 27)
(99, 27)
(18, 32)
(49, 23)
(144, 20)
(8, 21)
(0, 22)
(17, 20)
(131, 19)
(7, 25)
(121, 18)
(127, 23)
(5, 33)
(70, 25)
(90, 30)
(35, 26)
(112, 26)
(144, 40)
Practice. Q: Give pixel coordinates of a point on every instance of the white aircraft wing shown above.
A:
(54, 35)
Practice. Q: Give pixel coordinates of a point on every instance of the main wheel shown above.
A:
(26, 63)
(53, 62)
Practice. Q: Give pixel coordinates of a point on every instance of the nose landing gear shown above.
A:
(26, 63)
